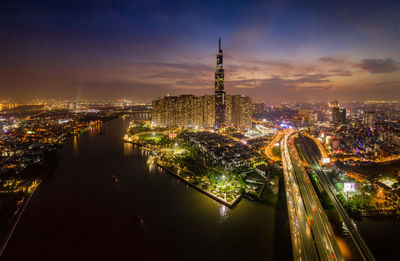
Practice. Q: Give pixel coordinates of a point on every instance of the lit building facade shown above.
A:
(334, 105)
(342, 115)
(338, 114)
(199, 111)
(369, 119)
(239, 111)
(184, 111)
(220, 99)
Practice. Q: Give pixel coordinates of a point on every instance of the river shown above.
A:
(79, 213)
(382, 236)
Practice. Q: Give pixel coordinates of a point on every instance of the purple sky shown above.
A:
(273, 50)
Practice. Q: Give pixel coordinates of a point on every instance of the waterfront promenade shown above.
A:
(168, 169)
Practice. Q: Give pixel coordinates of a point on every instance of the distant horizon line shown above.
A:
(9, 100)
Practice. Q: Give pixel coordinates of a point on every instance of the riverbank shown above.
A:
(17, 219)
(80, 212)
(229, 204)
(215, 197)
(31, 177)
(34, 175)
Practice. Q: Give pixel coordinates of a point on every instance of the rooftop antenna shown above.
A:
(219, 44)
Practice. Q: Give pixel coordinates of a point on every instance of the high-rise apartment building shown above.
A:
(342, 115)
(369, 119)
(71, 106)
(334, 105)
(184, 111)
(198, 111)
(338, 114)
(239, 111)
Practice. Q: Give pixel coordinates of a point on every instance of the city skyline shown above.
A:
(276, 51)
(184, 130)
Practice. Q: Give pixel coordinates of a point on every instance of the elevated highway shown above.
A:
(327, 185)
(312, 235)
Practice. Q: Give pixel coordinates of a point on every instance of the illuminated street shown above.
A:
(312, 235)
(355, 235)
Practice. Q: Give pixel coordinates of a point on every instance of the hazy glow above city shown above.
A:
(274, 50)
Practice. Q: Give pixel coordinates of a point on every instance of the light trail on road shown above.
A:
(329, 188)
(312, 235)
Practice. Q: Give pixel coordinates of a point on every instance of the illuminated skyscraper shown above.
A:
(209, 111)
(220, 99)
(369, 119)
(334, 105)
(342, 115)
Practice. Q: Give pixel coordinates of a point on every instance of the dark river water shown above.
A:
(382, 235)
(79, 213)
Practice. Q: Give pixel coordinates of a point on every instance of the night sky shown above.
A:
(273, 50)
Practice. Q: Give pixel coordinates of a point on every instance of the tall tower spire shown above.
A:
(220, 106)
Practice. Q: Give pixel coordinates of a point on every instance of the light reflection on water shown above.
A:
(344, 248)
(76, 150)
(152, 168)
(94, 130)
(128, 148)
(224, 213)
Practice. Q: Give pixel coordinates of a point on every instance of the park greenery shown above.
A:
(326, 202)
(196, 162)
(154, 139)
(143, 133)
(138, 127)
(354, 205)
(200, 169)
(276, 151)
(192, 165)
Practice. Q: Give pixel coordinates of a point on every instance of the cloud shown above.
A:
(313, 78)
(340, 72)
(379, 65)
(333, 60)
(176, 71)
(194, 84)
(182, 66)
(315, 88)
(390, 83)
(122, 88)
(297, 82)
(168, 75)
(267, 63)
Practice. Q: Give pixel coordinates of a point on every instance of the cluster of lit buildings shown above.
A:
(365, 132)
(208, 111)
(27, 137)
(199, 111)
(220, 149)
